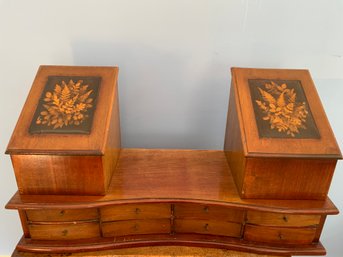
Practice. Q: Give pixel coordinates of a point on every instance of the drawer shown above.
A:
(210, 227)
(279, 235)
(135, 211)
(279, 219)
(199, 211)
(135, 227)
(62, 215)
(64, 231)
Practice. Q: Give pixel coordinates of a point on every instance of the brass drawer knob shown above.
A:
(137, 210)
(206, 227)
(206, 209)
(62, 212)
(285, 218)
(65, 232)
(136, 227)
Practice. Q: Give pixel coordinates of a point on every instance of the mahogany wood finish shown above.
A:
(135, 211)
(61, 215)
(24, 223)
(320, 228)
(47, 174)
(277, 168)
(64, 231)
(197, 240)
(287, 178)
(178, 176)
(281, 219)
(136, 227)
(208, 227)
(78, 164)
(203, 212)
(278, 235)
(184, 197)
(156, 251)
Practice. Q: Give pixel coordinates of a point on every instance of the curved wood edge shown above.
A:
(327, 208)
(153, 251)
(36, 246)
(95, 152)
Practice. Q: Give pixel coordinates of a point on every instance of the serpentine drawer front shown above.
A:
(279, 235)
(62, 215)
(282, 219)
(172, 218)
(200, 211)
(208, 219)
(281, 228)
(135, 219)
(135, 211)
(136, 227)
(65, 231)
(209, 227)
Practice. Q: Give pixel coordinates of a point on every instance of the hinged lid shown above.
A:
(67, 112)
(280, 114)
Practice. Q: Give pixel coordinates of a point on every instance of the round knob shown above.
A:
(206, 227)
(280, 236)
(135, 227)
(65, 232)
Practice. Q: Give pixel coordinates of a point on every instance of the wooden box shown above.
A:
(278, 142)
(67, 138)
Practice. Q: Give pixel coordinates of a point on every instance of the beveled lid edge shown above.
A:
(96, 152)
(234, 73)
(77, 152)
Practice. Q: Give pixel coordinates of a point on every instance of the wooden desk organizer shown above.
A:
(67, 138)
(279, 142)
(179, 197)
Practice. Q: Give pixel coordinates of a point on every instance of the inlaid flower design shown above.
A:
(280, 108)
(67, 104)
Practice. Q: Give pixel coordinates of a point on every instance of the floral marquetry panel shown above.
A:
(281, 109)
(66, 105)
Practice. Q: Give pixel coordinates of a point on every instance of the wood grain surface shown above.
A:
(167, 251)
(279, 166)
(153, 175)
(172, 197)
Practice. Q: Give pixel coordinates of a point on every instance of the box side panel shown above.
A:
(51, 174)
(233, 146)
(320, 228)
(113, 144)
(287, 178)
(24, 223)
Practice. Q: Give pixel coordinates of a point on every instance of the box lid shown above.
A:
(280, 114)
(67, 112)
